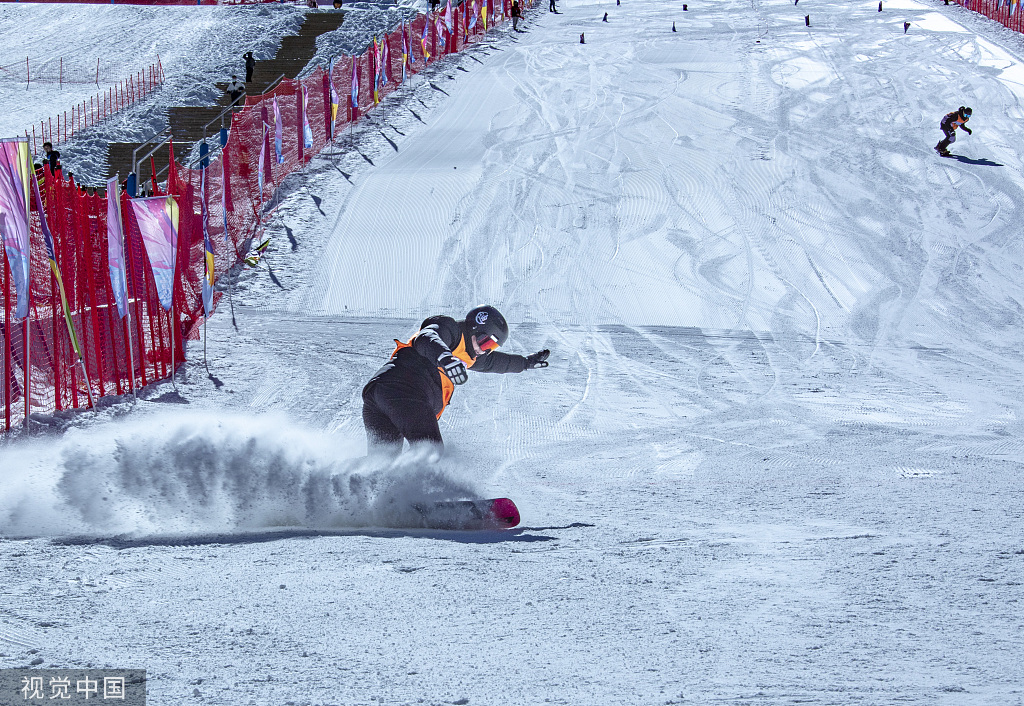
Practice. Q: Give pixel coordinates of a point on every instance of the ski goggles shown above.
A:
(487, 343)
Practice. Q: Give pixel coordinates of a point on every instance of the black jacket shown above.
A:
(413, 370)
(53, 158)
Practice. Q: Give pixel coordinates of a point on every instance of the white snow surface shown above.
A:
(776, 457)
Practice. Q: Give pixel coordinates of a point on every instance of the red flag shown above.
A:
(172, 169)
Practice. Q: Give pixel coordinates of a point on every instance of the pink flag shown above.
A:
(158, 223)
(307, 131)
(262, 168)
(115, 249)
(278, 133)
(385, 60)
(355, 87)
(439, 27)
(15, 171)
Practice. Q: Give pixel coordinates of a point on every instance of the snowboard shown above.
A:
(491, 514)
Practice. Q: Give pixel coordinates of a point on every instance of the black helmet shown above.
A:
(486, 321)
(967, 112)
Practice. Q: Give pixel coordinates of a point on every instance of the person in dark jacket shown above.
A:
(235, 89)
(516, 15)
(250, 66)
(406, 397)
(957, 119)
(52, 157)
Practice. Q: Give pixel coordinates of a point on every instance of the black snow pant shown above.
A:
(392, 413)
(947, 141)
(551, 6)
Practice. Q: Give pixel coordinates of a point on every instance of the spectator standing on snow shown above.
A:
(551, 6)
(250, 66)
(52, 157)
(957, 119)
(516, 15)
(235, 89)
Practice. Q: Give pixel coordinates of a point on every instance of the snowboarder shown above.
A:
(406, 397)
(957, 119)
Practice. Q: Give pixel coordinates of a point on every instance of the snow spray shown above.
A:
(201, 473)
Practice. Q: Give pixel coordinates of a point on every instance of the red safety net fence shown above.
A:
(39, 371)
(1008, 13)
(152, 2)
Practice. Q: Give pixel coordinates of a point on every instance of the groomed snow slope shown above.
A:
(776, 457)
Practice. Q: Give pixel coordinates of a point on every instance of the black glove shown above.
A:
(538, 359)
(967, 130)
(454, 368)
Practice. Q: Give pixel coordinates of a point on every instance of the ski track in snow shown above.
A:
(776, 456)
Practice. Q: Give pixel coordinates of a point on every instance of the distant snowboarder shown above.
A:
(405, 398)
(957, 119)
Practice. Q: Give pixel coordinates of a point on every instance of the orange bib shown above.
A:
(447, 386)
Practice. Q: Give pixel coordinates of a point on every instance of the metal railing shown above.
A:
(135, 153)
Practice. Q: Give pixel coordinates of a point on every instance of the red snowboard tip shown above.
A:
(505, 512)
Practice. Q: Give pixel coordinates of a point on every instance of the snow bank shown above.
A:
(199, 472)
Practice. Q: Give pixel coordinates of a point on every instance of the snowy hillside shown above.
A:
(198, 48)
(776, 457)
